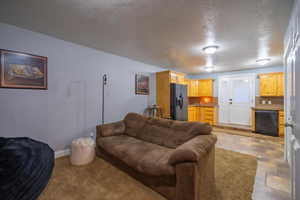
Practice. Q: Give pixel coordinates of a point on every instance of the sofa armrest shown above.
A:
(193, 150)
(111, 129)
(196, 180)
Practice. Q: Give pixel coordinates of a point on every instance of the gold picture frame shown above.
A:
(20, 70)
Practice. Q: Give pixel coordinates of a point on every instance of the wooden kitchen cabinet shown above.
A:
(281, 123)
(186, 82)
(193, 88)
(208, 115)
(198, 114)
(205, 88)
(268, 84)
(163, 89)
(163, 92)
(281, 85)
(271, 84)
(200, 88)
(202, 114)
(253, 119)
(193, 113)
(177, 77)
(189, 87)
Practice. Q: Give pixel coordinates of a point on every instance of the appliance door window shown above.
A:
(266, 122)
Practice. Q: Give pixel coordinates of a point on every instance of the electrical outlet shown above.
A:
(92, 135)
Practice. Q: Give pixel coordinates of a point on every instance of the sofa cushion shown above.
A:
(134, 123)
(171, 133)
(144, 157)
(115, 128)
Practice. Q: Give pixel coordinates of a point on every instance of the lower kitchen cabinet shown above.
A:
(253, 120)
(202, 114)
(208, 115)
(281, 123)
(192, 113)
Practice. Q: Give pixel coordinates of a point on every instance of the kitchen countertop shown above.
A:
(204, 105)
(268, 107)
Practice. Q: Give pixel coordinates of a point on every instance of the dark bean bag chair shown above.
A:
(26, 166)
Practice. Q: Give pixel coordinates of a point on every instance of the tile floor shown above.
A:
(234, 126)
(272, 176)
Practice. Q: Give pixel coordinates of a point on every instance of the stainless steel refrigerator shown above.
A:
(179, 102)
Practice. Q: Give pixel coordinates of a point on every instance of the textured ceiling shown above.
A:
(165, 33)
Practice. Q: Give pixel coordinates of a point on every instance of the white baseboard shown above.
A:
(62, 153)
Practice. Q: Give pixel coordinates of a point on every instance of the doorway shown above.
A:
(236, 97)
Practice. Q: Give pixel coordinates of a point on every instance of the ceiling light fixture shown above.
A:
(263, 61)
(209, 68)
(210, 49)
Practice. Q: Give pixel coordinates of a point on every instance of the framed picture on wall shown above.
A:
(141, 84)
(22, 71)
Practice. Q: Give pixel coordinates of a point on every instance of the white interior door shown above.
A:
(224, 90)
(236, 97)
(292, 119)
(295, 122)
(289, 104)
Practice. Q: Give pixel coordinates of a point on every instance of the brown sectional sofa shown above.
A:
(174, 158)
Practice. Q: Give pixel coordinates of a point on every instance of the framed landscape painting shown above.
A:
(141, 84)
(22, 70)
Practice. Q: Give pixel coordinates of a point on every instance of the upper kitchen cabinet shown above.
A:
(280, 89)
(271, 84)
(200, 88)
(206, 88)
(177, 77)
(193, 88)
(268, 84)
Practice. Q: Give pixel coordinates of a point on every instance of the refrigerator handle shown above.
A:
(180, 101)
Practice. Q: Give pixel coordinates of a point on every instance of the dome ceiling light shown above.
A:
(209, 68)
(263, 61)
(210, 49)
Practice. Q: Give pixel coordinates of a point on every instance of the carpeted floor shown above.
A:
(235, 176)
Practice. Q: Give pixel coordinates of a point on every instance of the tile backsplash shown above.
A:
(274, 100)
(203, 100)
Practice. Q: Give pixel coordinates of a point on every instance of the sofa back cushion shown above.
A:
(168, 133)
(134, 123)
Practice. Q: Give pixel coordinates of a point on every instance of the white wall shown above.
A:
(215, 76)
(71, 107)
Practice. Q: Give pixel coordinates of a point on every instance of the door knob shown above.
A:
(289, 125)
